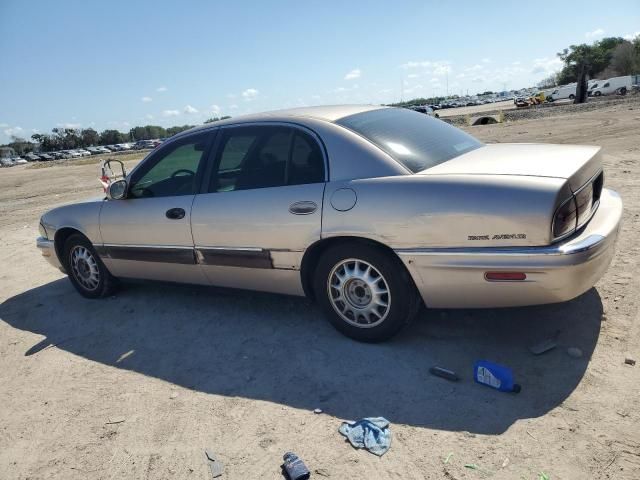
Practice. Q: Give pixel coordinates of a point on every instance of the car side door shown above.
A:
(148, 233)
(262, 207)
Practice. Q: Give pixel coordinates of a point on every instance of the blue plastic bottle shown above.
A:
(494, 376)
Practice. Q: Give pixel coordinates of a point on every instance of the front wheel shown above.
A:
(365, 292)
(597, 94)
(86, 271)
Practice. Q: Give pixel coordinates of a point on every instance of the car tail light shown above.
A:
(584, 204)
(565, 219)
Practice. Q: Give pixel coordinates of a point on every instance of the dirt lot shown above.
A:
(136, 386)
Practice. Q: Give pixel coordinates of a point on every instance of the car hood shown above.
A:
(576, 163)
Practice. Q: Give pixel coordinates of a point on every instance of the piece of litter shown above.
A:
(630, 361)
(317, 410)
(543, 476)
(215, 465)
(323, 472)
(115, 420)
(472, 466)
(446, 460)
(294, 467)
(531, 435)
(543, 346)
(372, 434)
(173, 395)
(574, 352)
(505, 463)
(444, 373)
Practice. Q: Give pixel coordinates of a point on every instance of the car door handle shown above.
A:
(303, 208)
(175, 213)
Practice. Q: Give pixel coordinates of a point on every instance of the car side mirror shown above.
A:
(117, 190)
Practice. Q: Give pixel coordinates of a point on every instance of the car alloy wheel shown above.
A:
(359, 293)
(85, 268)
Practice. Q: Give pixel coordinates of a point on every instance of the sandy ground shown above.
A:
(136, 386)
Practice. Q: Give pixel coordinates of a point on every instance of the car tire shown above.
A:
(597, 94)
(350, 282)
(572, 97)
(86, 271)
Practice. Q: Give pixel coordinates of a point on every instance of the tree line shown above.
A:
(72, 138)
(606, 58)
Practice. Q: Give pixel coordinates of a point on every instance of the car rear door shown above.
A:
(261, 208)
(148, 234)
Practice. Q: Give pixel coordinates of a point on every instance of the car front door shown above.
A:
(148, 234)
(261, 208)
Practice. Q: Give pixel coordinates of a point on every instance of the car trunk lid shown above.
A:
(575, 163)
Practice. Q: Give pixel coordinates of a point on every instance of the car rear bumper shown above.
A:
(48, 250)
(455, 277)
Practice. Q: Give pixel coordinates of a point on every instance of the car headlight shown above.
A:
(43, 231)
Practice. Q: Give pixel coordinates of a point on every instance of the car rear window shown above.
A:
(414, 139)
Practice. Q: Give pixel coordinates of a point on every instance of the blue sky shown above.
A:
(117, 64)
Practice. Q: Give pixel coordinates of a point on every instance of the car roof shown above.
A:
(329, 113)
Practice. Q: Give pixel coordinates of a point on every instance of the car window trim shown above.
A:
(213, 153)
(150, 161)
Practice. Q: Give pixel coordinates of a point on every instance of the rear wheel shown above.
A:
(365, 292)
(86, 271)
(597, 94)
(572, 96)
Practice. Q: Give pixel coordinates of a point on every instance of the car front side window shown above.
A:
(173, 171)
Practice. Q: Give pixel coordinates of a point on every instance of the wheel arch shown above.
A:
(313, 253)
(59, 239)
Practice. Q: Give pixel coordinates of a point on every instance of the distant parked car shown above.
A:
(20, 161)
(563, 92)
(31, 157)
(83, 152)
(6, 162)
(73, 154)
(45, 156)
(613, 85)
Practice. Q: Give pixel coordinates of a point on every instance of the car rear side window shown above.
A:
(414, 139)
(265, 156)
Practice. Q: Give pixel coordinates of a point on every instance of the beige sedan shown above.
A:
(371, 211)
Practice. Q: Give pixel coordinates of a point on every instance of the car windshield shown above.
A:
(414, 139)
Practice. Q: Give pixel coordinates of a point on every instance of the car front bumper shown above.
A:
(455, 277)
(48, 250)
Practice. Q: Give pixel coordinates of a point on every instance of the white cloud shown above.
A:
(4, 125)
(189, 109)
(353, 74)
(35, 130)
(146, 99)
(215, 109)
(170, 113)
(69, 125)
(148, 116)
(598, 32)
(413, 75)
(249, 94)
(161, 89)
(631, 36)
(474, 68)
(546, 65)
(416, 64)
(441, 67)
(486, 60)
(233, 106)
(13, 131)
(126, 124)
(516, 63)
